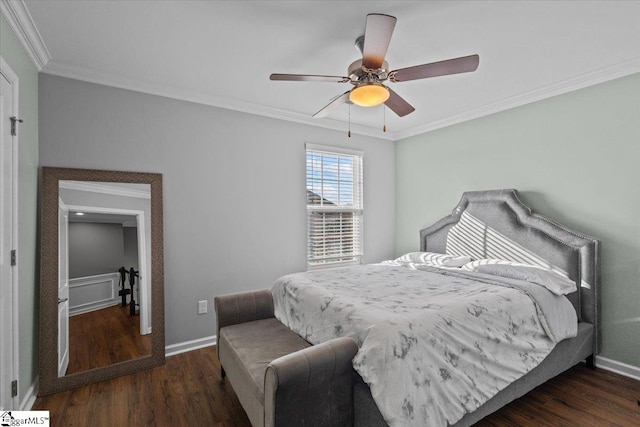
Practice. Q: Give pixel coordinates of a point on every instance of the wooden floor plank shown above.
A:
(104, 337)
(188, 390)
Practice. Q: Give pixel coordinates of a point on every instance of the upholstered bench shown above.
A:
(280, 379)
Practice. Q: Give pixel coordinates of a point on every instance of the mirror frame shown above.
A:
(48, 355)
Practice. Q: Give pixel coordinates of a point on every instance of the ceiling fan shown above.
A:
(368, 74)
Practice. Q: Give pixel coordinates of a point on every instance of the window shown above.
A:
(334, 206)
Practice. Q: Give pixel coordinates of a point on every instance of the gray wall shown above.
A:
(130, 236)
(12, 51)
(95, 248)
(575, 159)
(234, 186)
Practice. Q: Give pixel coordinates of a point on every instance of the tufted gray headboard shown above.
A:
(499, 216)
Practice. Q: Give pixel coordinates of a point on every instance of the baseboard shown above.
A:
(618, 367)
(171, 350)
(183, 347)
(92, 307)
(601, 362)
(30, 396)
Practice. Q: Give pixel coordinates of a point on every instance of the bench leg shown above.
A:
(591, 362)
(223, 374)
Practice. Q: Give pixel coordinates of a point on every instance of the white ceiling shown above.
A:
(221, 52)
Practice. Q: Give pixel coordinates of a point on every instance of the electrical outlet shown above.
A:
(202, 307)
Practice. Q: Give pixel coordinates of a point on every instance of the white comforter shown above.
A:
(434, 345)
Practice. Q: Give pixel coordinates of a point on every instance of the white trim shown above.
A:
(614, 71)
(100, 209)
(21, 22)
(618, 367)
(110, 280)
(105, 188)
(12, 77)
(186, 346)
(605, 74)
(332, 149)
(168, 91)
(144, 283)
(183, 347)
(89, 307)
(601, 362)
(332, 265)
(335, 208)
(81, 281)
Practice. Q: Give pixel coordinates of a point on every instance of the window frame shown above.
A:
(357, 208)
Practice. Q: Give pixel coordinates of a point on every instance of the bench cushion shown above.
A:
(248, 348)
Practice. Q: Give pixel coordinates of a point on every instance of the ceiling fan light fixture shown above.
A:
(369, 94)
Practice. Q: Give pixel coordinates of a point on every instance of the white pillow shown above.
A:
(557, 283)
(434, 259)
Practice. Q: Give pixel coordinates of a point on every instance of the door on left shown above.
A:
(8, 237)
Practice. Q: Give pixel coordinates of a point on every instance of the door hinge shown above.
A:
(13, 258)
(14, 120)
(14, 388)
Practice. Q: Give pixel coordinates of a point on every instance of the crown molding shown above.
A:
(21, 22)
(605, 74)
(621, 69)
(168, 91)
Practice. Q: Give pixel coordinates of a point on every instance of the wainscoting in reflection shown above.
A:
(93, 293)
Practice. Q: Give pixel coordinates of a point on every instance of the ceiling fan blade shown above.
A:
(398, 105)
(464, 64)
(308, 78)
(336, 102)
(377, 35)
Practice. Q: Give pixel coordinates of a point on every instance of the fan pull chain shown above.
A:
(349, 132)
(384, 118)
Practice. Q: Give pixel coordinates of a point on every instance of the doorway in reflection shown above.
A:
(104, 303)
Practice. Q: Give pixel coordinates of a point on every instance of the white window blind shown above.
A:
(334, 206)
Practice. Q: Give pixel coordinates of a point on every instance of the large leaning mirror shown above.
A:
(102, 278)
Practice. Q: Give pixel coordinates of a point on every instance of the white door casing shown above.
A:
(9, 345)
(144, 282)
(63, 288)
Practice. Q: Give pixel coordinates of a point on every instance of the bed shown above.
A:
(453, 376)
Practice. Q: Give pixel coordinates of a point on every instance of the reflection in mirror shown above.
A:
(107, 298)
(101, 295)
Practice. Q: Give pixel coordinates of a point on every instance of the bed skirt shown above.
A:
(566, 354)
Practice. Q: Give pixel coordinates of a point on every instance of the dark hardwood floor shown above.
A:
(188, 391)
(103, 337)
(578, 397)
